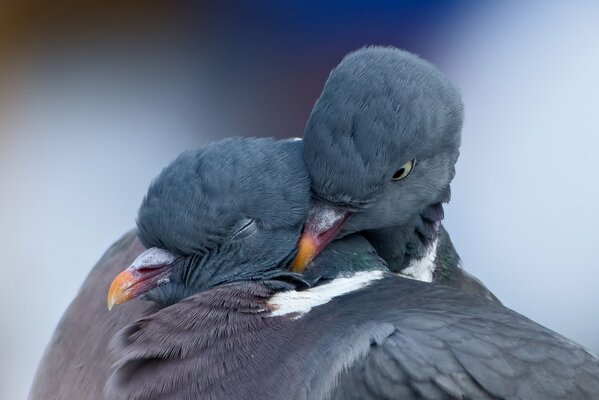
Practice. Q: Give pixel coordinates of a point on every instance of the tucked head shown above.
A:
(232, 210)
(382, 140)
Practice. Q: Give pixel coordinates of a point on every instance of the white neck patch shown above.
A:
(422, 268)
(303, 301)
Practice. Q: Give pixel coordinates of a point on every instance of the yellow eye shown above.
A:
(404, 171)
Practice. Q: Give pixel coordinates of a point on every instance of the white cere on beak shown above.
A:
(153, 257)
(327, 217)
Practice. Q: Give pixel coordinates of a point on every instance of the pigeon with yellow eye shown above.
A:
(381, 146)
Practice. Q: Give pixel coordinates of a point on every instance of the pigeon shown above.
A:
(221, 227)
(65, 370)
(380, 146)
(76, 364)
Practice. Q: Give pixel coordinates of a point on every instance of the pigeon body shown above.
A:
(366, 334)
(381, 143)
(346, 328)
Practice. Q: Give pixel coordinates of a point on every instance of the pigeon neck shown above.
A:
(450, 273)
(345, 257)
(413, 248)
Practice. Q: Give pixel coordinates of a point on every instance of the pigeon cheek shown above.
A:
(150, 270)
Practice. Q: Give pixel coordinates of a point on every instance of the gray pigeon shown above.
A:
(222, 225)
(381, 145)
(76, 364)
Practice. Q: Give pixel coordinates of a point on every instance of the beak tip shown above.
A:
(117, 293)
(307, 251)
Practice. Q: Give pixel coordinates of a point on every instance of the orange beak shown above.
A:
(118, 292)
(323, 224)
(149, 270)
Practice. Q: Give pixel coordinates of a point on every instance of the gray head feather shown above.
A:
(231, 211)
(380, 108)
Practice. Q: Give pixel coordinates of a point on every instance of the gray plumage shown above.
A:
(206, 194)
(232, 214)
(229, 211)
(396, 338)
(223, 341)
(76, 363)
(381, 108)
(390, 337)
(445, 344)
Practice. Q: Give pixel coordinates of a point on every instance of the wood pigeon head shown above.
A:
(380, 145)
(232, 210)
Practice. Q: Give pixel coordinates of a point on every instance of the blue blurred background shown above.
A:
(96, 97)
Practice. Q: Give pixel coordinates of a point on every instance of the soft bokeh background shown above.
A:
(96, 97)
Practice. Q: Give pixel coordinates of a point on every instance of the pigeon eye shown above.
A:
(244, 228)
(404, 171)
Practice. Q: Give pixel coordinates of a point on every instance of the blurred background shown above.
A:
(96, 97)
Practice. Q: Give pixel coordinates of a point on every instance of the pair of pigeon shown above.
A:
(252, 298)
